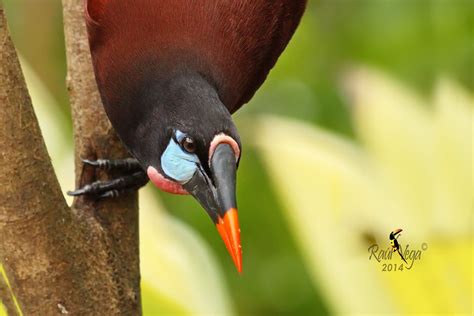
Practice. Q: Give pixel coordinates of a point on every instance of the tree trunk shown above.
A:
(54, 259)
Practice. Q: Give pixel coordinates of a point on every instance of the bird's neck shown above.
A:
(164, 98)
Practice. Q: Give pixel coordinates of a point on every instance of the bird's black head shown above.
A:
(184, 137)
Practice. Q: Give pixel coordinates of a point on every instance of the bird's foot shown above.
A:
(135, 178)
(128, 164)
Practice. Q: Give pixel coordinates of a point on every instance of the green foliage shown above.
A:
(412, 168)
(272, 263)
(154, 304)
(412, 40)
(3, 311)
(180, 276)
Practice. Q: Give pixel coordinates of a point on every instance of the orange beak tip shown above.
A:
(228, 228)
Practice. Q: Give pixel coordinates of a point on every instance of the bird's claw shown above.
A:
(133, 180)
(78, 192)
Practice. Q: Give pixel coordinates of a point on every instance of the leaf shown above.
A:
(3, 310)
(179, 273)
(322, 182)
(55, 128)
(340, 197)
(454, 142)
(396, 129)
(5, 282)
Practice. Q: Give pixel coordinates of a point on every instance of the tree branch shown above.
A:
(95, 138)
(54, 259)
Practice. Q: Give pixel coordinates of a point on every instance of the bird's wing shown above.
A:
(273, 30)
(234, 44)
(94, 10)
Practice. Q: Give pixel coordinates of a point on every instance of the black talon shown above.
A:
(78, 192)
(116, 187)
(110, 194)
(115, 193)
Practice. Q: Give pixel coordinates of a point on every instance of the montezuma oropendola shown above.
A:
(170, 74)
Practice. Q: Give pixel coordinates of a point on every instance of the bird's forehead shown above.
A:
(201, 131)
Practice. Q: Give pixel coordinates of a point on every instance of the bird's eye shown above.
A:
(188, 144)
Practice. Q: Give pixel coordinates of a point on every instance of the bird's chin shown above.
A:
(164, 184)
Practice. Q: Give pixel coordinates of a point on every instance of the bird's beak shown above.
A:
(217, 197)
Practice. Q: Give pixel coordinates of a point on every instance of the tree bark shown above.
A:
(54, 259)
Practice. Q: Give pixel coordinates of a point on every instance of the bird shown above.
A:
(170, 74)
(395, 244)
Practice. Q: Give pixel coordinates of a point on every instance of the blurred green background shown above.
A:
(412, 42)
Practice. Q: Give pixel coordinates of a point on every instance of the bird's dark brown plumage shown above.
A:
(171, 72)
(233, 44)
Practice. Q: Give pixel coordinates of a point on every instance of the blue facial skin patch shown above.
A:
(176, 162)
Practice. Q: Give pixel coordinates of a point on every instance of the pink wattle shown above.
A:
(164, 184)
